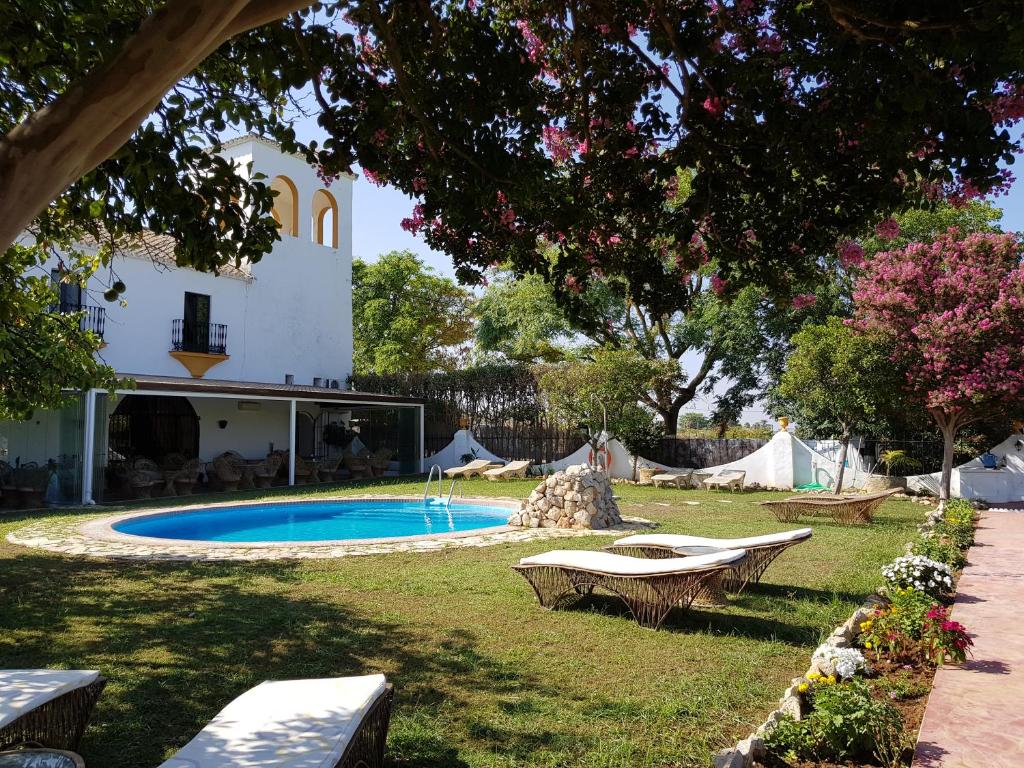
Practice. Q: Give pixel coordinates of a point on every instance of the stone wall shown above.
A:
(579, 496)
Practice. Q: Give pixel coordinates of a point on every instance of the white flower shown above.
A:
(844, 662)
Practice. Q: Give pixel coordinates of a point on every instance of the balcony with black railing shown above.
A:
(93, 318)
(204, 338)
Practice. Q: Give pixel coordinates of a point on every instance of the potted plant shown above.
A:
(897, 464)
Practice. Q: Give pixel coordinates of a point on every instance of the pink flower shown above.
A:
(850, 254)
(414, 223)
(888, 229)
(718, 285)
(802, 300)
(572, 284)
(373, 177)
(714, 105)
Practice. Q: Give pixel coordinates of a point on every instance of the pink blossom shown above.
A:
(572, 284)
(888, 229)
(419, 184)
(850, 254)
(614, 240)
(802, 300)
(951, 312)
(718, 285)
(415, 222)
(713, 105)
(380, 136)
(373, 177)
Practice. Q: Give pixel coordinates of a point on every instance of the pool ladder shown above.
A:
(440, 490)
(426, 488)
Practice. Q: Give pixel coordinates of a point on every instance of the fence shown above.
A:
(699, 452)
(502, 406)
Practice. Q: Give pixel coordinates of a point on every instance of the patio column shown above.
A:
(423, 447)
(88, 445)
(291, 442)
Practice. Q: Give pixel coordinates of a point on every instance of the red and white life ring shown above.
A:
(605, 454)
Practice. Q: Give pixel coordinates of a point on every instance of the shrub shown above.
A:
(846, 723)
(943, 638)
(957, 523)
(895, 630)
(942, 549)
(920, 573)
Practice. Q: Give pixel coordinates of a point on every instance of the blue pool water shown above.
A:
(317, 521)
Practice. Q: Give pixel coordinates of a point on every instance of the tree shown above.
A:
(520, 320)
(951, 312)
(43, 353)
(837, 381)
(405, 317)
(600, 394)
(515, 125)
(742, 339)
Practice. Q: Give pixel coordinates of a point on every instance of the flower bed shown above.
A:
(862, 699)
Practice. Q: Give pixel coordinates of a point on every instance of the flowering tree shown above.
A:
(953, 312)
(514, 123)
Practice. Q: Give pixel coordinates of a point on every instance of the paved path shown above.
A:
(975, 715)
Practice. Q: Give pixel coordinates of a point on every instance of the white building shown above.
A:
(251, 360)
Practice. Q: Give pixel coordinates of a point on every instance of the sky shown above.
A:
(378, 211)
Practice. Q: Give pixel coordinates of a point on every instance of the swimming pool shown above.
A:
(316, 521)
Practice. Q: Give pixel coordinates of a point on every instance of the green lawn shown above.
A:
(484, 676)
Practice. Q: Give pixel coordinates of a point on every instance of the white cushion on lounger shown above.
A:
(22, 690)
(622, 565)
(673, 540)
(285, 724)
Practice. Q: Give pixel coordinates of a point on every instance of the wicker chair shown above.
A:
(305, 473)
(263, 474)
(28, 485)
(358, 466)
(850, 510)
(58, 723)
(185, 478)
(228, 472)
(143, 477)
(380, 460)
(9, 495)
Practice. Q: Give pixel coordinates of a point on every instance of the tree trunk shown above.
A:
(670, 417)
(844, 447)
(96, 115)
(948, 436)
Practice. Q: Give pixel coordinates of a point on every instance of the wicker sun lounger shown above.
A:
(679, 478)
(474, 468)
(761, 551)
(650, 588)
(847, 509)
(48, 707)
(727, 478)
(339, 722)
(509, 471)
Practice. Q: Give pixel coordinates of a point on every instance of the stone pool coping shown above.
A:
(96, 537)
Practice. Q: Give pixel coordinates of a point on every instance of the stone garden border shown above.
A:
(95, 537)
(752, 748)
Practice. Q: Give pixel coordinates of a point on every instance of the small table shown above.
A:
(40, 758)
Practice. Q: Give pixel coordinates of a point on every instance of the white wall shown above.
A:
(293, 314)
(248, 432)
(972, 481)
